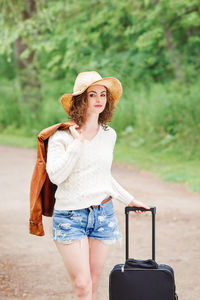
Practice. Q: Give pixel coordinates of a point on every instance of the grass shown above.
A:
(168, 166)
(20, 141)
(159, 127)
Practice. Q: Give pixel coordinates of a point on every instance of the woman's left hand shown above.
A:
(138, 204)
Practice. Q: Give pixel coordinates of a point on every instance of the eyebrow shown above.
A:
(96, 92)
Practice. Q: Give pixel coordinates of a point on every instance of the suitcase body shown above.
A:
(142, 279)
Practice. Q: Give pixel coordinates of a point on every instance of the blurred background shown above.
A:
(152, 47)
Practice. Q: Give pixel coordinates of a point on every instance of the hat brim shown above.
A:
(112, 84)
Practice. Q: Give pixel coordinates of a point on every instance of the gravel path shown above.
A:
(30, 266)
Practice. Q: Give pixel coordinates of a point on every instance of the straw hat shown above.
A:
(86, 79)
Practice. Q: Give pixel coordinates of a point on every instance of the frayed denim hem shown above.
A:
(109, 242)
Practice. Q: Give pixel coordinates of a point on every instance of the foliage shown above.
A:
(145, 39)
(151, 46)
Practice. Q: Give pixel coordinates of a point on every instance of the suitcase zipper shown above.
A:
(122, 268)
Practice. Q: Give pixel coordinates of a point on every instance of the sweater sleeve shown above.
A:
(62, 154)
(120, 193)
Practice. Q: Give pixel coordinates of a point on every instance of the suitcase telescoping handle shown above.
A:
(134, 208)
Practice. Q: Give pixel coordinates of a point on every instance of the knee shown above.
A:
(83, 286)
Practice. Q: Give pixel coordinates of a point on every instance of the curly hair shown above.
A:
(79, 107)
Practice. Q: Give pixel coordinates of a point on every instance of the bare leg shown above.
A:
(76, 260)
(98, 254)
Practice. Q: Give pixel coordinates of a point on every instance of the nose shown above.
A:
(98, 98)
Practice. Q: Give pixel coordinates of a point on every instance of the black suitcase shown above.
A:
(141, 279)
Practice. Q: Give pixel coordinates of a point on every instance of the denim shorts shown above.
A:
(96, 223)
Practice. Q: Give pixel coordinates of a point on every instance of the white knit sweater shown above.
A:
(82, 169)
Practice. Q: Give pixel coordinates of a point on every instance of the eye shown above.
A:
(103, 95)
(91, 95)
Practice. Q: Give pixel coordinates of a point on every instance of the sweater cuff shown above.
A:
(126, 200)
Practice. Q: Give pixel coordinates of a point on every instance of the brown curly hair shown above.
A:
(78, 109)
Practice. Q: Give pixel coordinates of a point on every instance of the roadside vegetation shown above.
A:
(151, 46)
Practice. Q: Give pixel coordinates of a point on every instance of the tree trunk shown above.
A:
(26, 68)
(173, 56)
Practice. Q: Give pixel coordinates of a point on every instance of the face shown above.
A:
(97, 98)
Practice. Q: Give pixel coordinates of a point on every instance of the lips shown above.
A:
(98, 105)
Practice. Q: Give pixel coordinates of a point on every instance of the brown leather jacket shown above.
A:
(42, 190)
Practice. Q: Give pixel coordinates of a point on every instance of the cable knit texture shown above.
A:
(82, 169)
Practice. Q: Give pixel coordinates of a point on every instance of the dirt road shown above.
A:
(31, 267)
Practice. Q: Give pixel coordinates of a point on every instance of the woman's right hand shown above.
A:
(75, 133)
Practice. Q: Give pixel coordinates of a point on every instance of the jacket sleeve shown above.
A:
(120, 193)
(62, 155)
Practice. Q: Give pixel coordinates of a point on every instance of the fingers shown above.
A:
(137, 203)
(145, 206)
(73, 130)
(73, 127)
(142, 211)
(141, 204)
(139, 211)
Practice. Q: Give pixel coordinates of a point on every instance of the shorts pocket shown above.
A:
(108, 209)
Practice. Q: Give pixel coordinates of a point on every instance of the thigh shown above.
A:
(98, 255)
(76, 258)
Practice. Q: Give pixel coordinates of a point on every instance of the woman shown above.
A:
(79, 162)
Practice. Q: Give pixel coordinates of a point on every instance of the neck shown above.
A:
(91, 122)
